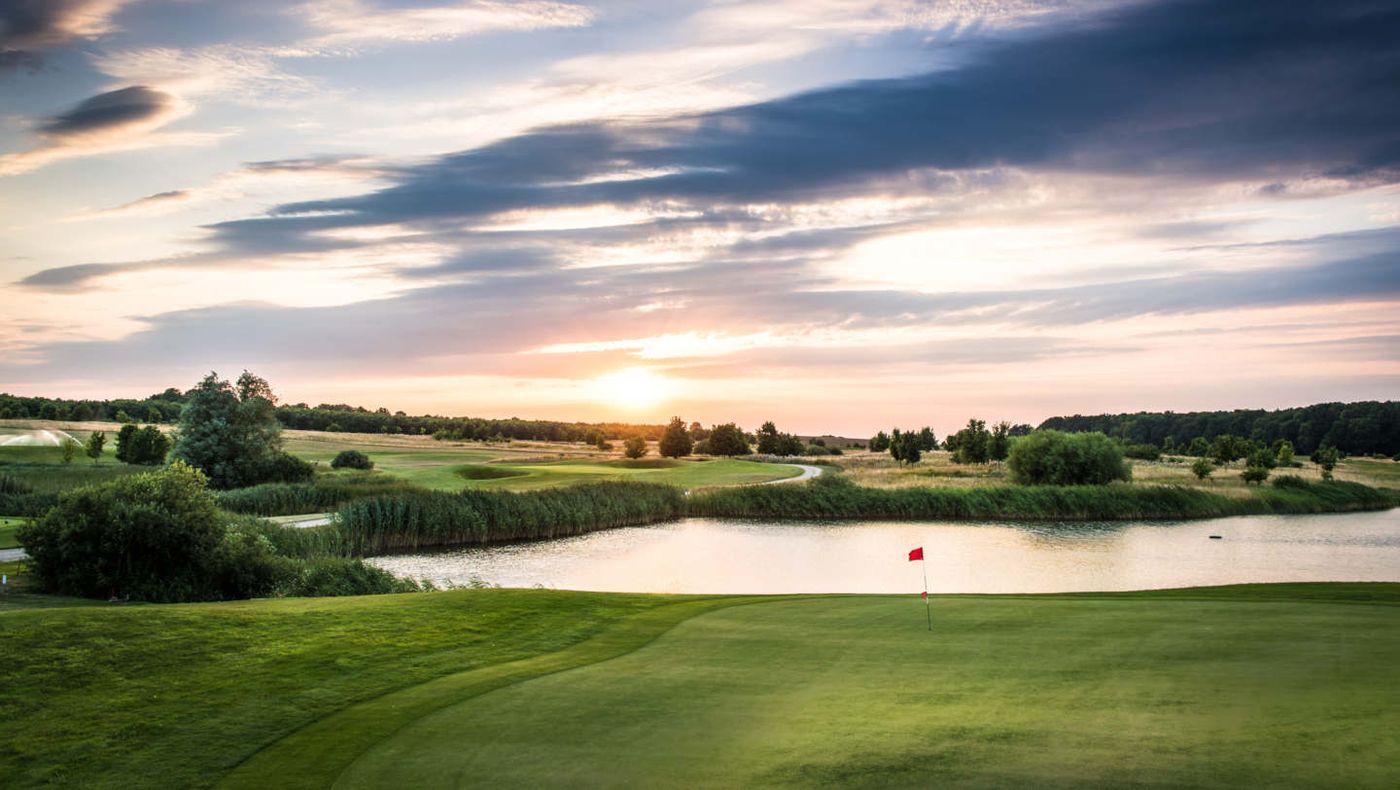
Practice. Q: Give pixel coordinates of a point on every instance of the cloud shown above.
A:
(124, 108)
(1268, 89)
(119, 120)
(350, 23)
(28, 27)
(241, 74)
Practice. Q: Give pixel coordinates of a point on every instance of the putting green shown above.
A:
(1254, 686)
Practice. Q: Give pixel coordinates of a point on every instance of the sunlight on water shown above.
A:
(719, 556)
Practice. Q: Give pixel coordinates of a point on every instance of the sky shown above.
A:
(841, 215)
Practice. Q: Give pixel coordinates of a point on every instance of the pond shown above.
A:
(725, 556)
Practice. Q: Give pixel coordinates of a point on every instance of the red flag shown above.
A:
(916, 554)
(925, 594)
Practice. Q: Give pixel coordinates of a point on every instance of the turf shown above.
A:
(1280, 685)
(175, 695)
(8, 527)
(686, 474)
(853, 692)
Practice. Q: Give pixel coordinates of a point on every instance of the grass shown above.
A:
(8, 527)
(683, 473)
(1264, 685)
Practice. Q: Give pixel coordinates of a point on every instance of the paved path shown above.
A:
(808, 472)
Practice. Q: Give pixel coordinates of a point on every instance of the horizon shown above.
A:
(595, 212)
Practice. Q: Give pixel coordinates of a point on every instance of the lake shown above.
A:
(700, 555)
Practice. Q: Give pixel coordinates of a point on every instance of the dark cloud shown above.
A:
(1261, 89)
(27, 27)
(110, 111)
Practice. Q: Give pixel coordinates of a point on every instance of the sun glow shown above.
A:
(633, 388)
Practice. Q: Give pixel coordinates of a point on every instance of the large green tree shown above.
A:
(230, 432)
(1054, 458)
(728, 439)
(676, 441)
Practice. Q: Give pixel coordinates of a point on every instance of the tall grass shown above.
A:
(838, 498)
(407, 522)
(324, 493)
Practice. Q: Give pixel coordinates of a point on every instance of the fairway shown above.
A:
(1258, 686)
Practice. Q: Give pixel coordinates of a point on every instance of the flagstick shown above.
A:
(928, 613)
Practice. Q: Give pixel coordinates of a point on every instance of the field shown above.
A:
(938, 469)
(1287, 685)
(419, 460)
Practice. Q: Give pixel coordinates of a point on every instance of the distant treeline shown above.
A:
(164, 407)
(1359, 428)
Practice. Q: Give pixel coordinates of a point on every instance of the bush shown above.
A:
(1201, 468)
(1255, 475)
(351, 459)
(283, 468)
(1290, 481)
(153, 536)
(1056, 458)
(334, 576)
(634, 447)
(1143, 452)
(144, 446)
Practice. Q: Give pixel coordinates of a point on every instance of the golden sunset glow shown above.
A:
(633, 388)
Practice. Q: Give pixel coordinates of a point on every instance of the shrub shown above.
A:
(1255, 474)
(1143, 452)
(634, 447)
(145, 446)
(283, 468)
(334, 576)
(676, 441)
(153, 536)
(1055, 458)
(1290, 481)
(351, 459)
(1201, 468)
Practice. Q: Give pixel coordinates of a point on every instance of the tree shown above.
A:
(232, 434)
(70, 449)
(971, 445)
(96, 441)
(1262, 458)
(145, 446)
(1201, 468)
(634, 447)
(880, 442)
(675, 441)
(1199, 447)
(1000, 443)
(697, 432)
(768, 439)
(1227, 448)
(1049, 457)
(125, 439)
(905, 447)
(1283, 454)
(927, 441)
(727, 439)
(1326, 457)
(351, 459)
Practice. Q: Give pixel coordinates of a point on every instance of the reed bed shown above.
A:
(837, 498)
(408, 522)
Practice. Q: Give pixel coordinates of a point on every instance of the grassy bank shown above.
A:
(1275, 685)
(327, 492)
(836, 498)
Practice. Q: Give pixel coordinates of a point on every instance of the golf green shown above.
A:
(1258, 686)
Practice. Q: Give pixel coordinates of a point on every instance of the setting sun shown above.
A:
(633, 388)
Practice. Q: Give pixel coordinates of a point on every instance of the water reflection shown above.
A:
(720, 556)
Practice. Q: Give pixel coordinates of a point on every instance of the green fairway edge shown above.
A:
(316, 755)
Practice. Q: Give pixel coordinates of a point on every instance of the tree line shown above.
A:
(1361, 428)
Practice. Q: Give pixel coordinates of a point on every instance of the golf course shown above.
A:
(1269, 685)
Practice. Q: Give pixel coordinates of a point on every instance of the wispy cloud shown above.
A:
(353, 23)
